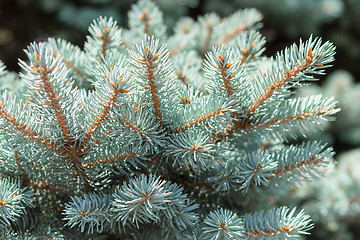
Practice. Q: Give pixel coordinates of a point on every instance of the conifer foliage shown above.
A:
(142, 135)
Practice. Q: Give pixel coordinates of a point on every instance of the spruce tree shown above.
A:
(145, 135)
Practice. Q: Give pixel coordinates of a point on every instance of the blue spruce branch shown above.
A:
(133, 135)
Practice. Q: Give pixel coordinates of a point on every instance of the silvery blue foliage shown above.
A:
(135, 137)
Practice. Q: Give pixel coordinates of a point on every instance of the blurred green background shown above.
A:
(285, 21)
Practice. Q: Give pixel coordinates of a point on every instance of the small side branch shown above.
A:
(37, 184)
(263, 233)
(145, 18)
(100, 211)
(314, 160)
(280, 83)
(134, 128)
(288, 119)
(71, 65)
(225, 77)
(55, 105)
(103, 112)
(182, 77)
(105, 38)
(150, 66)
(231, 35)
(205, 117)
(23, 128)
(287, 77)
(113, 159)
(245, 55)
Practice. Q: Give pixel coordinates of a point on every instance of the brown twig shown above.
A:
(105, 111)
(150, 66)
(54, 102)
(231, 35)
(268, 232)
(220, 111)
(113, 159)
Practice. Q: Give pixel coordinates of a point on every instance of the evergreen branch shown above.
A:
(145, 19)
(150, 66)
(288, 76)
(292, 66)
(276, 223)
(298, 112)
(46, 78)
(91, 211)
(140, 200)
(314, 160)
(37, 184)
(105, 42)
(222, 68)
(289, 119)
(301, 161)
(249, 45)
(104, 36)
(153, 67)
(107, 106)
(112, 159)
(265, 167)
(231, 35)
(13, 201)
(236, 23)
(24, 129)
(147, 199)
(112, 86)
(222, 224)
(190, 149)
(291, 162)
(225, 77)
(44, 72)
(181, 77)
(201, 119)
(72, 55)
